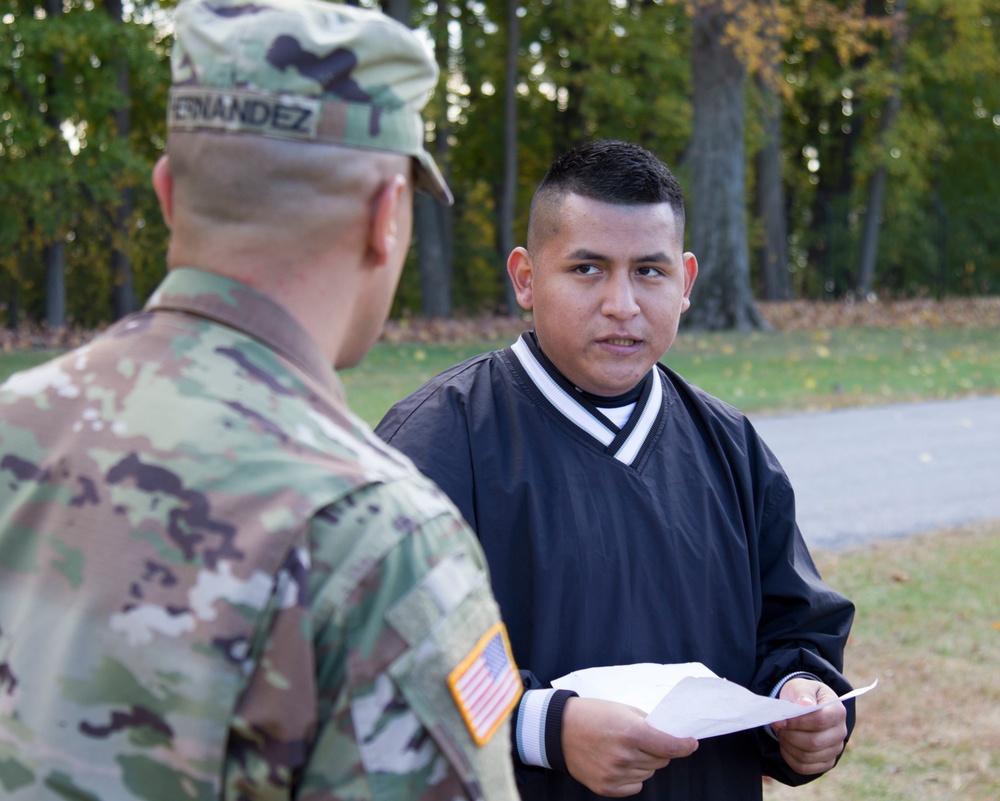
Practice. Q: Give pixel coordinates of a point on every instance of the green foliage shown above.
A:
(942, 154)
(586, 68)
(64, 163)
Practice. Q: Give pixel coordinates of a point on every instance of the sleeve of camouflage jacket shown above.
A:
(348, 699)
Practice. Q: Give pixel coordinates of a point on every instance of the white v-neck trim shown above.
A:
(582, 417)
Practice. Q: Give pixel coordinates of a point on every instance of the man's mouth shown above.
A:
(620, 341)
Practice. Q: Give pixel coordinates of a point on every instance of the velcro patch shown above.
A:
(486, 685)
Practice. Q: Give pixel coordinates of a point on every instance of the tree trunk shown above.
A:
(442, 305)
(54, 254)
(770, 200)
(722, 298)
(399, 10)
(508, 198)
(55, 284)
(13, 302)
(771, 203)
(433, 221)
(869, 234)
(434, 292)
(123, 299)
(876, 185)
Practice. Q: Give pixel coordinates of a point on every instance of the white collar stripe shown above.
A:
(558, 397)
(579, 415)
(647, 419)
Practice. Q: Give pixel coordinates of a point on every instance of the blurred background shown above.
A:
(841, 150)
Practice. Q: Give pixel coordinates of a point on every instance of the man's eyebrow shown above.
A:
(658, 257)
(587, 255)
(590, 255)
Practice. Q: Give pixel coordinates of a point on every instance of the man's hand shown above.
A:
(611, 749)
(810, 744)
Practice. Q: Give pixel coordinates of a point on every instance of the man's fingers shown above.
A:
(816, 721)
(610, 749)
(810, 744)
(660, 745)
(810, 763)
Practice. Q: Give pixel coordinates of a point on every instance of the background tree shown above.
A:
(54, 252)
(82, 123)
(123, 294)
(63, 162)
(508, 192)
(876, 182)
(832, 59)
(722, 297)
(769, 207)
(433, 221)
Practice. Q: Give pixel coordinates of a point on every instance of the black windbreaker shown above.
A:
(688, 553)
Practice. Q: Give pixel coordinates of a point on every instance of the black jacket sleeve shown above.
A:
(803, 624)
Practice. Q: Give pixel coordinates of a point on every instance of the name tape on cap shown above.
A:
(234, 110)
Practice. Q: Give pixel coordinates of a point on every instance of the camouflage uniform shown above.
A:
(215, 582)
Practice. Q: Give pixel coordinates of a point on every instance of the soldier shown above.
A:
(215, 582)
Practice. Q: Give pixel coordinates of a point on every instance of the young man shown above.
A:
(215, 581)
(626, 515)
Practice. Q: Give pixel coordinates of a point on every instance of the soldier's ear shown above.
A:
(383, 232)
(163, 185)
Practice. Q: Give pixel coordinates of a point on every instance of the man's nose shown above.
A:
(619, 297)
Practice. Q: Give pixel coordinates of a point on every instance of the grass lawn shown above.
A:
(17, 360)
(761, 372)
(794, 370)
(928, 626)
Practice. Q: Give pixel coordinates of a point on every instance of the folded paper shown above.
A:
(687, 700)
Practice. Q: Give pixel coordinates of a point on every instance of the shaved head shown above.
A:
(243, 179)
(273, 199)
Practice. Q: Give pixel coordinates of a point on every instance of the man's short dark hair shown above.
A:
(609, 171)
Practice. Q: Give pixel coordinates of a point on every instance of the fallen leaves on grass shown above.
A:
(40, 337)
(951, 312)
(931, 731)
(796, 314)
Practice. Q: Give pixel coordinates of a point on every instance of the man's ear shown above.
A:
(690, 273)
(521, 272)
(163, 185)
(383, 231)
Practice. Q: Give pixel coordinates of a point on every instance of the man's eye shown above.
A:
(648, 271)
(586, 269)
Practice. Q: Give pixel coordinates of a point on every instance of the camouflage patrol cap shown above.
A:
(304, 70)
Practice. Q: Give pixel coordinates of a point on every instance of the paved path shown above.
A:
(874, 473)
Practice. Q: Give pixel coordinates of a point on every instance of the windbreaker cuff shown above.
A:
(539, 728)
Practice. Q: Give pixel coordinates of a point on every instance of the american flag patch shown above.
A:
(486, 685)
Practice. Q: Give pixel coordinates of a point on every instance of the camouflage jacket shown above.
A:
(215, 582)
